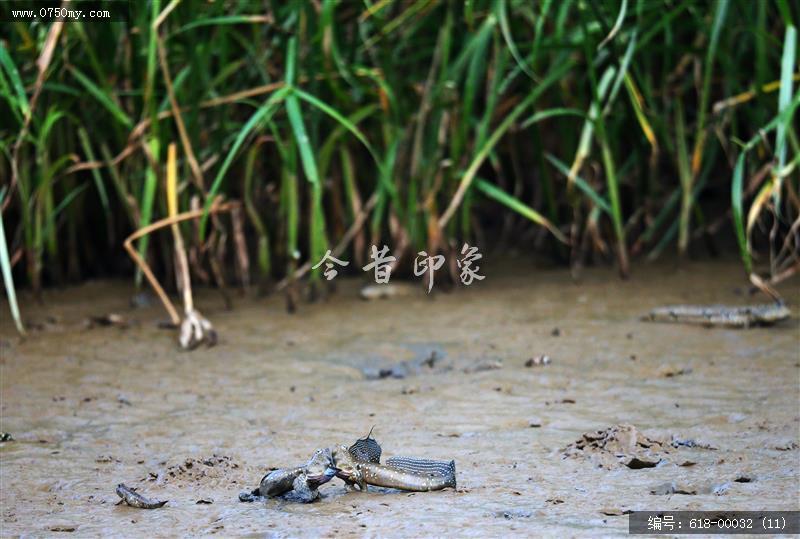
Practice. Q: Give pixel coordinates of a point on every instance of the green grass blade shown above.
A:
(622, 73)
(98, 180)
(495, 193)
(8, 280)
(120, 185)
(291, 61)
(52, 117)
(784, 100)
(261, 230)
(65, 202)
(556, 73)
(685, 174)
(7, 94)
(220, 21)
(587, 132)
(263, 114)
(738, 218)
(103, 98)
(147, 199)
(617, 24)
(396, 22)
(705, 92)
(785, 11)
(475, 70)
(308, 161)
(468, 50)
(331, 142)
(343, 121)
(612, 182)
(668, 207)
(550, 113)
(502, 16)
(539, 29)
(150, 79)
(580, 183)
(16, 81)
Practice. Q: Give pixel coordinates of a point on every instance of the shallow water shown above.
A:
(90, 408)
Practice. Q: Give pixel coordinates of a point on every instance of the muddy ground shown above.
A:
(690, 418)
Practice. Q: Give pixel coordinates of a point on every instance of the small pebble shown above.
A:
(538, 361)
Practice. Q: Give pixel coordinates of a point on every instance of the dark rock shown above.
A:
(672, 487)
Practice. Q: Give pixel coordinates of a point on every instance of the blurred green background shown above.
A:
(608, 131)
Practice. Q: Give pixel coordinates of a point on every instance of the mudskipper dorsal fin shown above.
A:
(366, 449)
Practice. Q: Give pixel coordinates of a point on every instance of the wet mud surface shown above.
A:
(624, 415)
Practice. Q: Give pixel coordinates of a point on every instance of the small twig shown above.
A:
(791, 253)
(185, 141)
(239, 243)
(785, 274)
(216, 256)
(164, 14)
(765, 287)
(744, 97)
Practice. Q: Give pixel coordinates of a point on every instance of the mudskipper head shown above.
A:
(346, 466)
(320, 468)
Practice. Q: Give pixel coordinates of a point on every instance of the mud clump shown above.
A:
(431, 363)
(538, 361)
(691, 443)
(214, 469)
(620, 445)
(672, 487)
(483, 365)
(510, 514)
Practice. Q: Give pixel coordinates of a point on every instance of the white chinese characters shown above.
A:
(424, 265)
(428, 264)
(329, 260)
(468, 274)
(382, 264)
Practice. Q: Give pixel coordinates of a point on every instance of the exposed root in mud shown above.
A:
(196, 329)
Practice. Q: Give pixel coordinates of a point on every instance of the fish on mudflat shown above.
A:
(134, 499)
